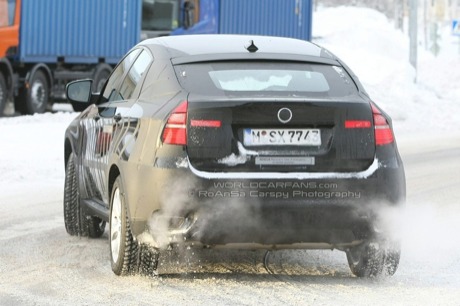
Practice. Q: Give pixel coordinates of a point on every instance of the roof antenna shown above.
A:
(252, 48)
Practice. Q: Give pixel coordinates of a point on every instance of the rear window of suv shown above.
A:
(266, 78)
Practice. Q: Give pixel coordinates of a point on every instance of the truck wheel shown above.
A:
(100, 77)
(366, 260)
(3, 94)
(123, 249)
(35, 98)
(77, 223)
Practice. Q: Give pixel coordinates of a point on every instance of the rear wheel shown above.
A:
(392, 257)
(123, 249)
(373, 259)
(3, 94)
(148, 260)
(34, 99)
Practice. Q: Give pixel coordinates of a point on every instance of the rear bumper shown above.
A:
(273, 210)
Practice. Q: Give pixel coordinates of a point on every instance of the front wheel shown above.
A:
(123, 248)
(72, 214)
(77, 223)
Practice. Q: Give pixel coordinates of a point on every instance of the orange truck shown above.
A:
(9, 36)
(44, 44)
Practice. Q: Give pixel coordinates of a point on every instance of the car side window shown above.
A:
(111, 92)
(135, 74)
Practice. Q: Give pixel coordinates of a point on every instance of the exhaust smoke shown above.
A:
(429, 233)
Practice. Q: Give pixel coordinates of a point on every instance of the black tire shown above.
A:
(148, 260)
(71, 199)
(100, 76)
(34, 99)
(77, 223)
(3, 94)
(392, 257)
(94, 225)
(124, 250)
(366, 260)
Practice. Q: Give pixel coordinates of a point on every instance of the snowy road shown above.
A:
(40, 264)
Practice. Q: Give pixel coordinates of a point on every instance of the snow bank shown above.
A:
(32, 149)
(379, 54)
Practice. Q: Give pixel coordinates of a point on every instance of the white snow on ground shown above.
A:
(41, 264)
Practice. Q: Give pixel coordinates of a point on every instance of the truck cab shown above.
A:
(159, 17)
(9, 29)
(284, 18)
(43, 47)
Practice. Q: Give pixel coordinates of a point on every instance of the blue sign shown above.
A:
(456, 27)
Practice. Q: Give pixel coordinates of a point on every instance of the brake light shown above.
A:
(206, 123)
(357, 124)
(175, 131)
(383, 132)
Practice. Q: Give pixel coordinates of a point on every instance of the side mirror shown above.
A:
(79, 94)
(189, 14)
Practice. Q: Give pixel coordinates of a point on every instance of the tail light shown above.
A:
(206, 123)
(383, 132)
(175, 131)
(357, 124)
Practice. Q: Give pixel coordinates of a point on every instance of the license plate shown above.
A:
(280, 137)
